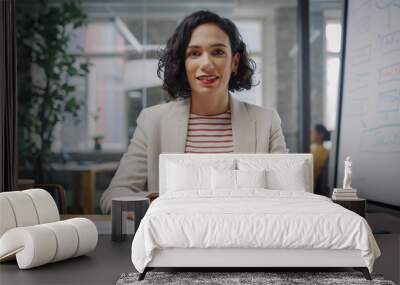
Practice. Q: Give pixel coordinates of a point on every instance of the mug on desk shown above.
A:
(127, 212)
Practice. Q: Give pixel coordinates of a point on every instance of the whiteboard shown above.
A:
(369, 128)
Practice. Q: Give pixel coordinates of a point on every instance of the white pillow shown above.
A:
(251, 178)
(223, 179)
(183, 178)
(291, 180)
(282, 174)
(236, 179)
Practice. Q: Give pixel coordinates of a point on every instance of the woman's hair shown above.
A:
(172, 60)
(325, 134)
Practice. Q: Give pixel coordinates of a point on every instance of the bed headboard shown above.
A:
(235, 161)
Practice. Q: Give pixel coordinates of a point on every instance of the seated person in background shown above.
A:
(319, 134)
(203, 60)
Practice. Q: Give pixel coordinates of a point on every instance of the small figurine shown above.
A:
(347, 174)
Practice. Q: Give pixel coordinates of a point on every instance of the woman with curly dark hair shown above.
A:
(204, 59)
(174, 60)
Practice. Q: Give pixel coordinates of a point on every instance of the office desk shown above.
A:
(102, 266)
(85, 175)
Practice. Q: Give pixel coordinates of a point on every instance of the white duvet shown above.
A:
(252, 218)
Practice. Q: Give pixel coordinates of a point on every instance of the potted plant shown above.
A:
(44, 66)
(98, 141)
(98, 137)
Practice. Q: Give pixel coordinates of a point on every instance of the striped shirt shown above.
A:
(209, 134)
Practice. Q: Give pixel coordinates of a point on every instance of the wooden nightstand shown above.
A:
(358, 206)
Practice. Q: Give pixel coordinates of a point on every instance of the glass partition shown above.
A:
(120, 43)
(325, 53)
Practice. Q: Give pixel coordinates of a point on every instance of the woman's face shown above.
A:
(209, 62)
(315, 137)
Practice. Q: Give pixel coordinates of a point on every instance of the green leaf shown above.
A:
(85, 67)
(72, 71)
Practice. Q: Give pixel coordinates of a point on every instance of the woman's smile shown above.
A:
(207, 80)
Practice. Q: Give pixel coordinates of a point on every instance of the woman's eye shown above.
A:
(219, 52)
(193, 53)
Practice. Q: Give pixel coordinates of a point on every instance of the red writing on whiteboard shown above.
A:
(389, 73)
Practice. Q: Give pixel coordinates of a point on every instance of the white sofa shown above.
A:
(31, 231)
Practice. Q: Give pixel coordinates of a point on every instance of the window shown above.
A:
(333, 35)
(251, 32)
(325, 52)
(118, 67)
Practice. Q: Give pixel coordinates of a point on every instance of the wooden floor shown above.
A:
(110, 260)
(103, 266)
(386, 228)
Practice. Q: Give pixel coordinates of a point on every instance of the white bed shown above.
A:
(247, 210)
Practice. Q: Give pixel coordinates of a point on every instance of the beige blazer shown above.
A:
(163, 128)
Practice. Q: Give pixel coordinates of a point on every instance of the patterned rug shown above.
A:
(269, 278)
